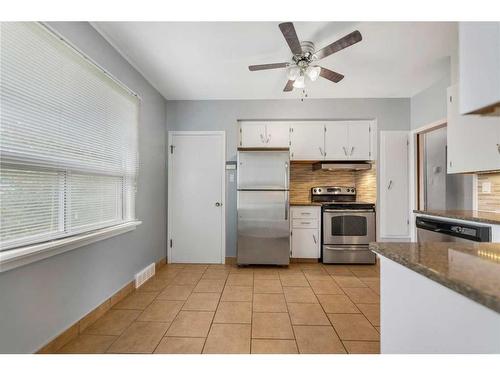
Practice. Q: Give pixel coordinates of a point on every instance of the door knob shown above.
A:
(218, 204)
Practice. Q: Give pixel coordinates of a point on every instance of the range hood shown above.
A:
(341, 166)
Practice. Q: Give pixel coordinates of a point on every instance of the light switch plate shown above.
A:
(486, 187)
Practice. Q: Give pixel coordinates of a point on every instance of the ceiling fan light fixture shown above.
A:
(293, 73)
(300, 82)
(313, 72)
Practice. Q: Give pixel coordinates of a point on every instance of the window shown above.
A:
(68, 141)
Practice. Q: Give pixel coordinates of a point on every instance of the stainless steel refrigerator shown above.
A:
(263, 207)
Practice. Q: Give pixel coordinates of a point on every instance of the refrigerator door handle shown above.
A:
(286, 175)
(286, 205)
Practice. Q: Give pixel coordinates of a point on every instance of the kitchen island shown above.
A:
(439, 297)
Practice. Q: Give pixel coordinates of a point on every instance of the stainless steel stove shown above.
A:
(348, 226)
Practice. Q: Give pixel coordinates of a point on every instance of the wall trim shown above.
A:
(412, 171)
(21, 256)
(80, 325)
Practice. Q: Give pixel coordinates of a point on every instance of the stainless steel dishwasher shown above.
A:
(432, 230)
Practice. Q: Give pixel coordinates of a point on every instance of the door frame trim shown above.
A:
(222, 135)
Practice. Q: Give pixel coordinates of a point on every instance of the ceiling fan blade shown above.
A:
(291, 38)
(340, 44)
(330, 75)
(288, 86)
(253, 68)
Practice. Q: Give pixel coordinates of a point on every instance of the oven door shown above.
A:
(348, 227)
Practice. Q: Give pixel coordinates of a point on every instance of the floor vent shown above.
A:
(143, 276)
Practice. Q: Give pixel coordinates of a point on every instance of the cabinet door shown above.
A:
(278, 134)
(252, 134)
(359, 140)
(337, 140)
(472, 141)
(305, 243)
(393, 188)
(307, 141)
(479, 68)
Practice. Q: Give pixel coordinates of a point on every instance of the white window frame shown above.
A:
(25, 254)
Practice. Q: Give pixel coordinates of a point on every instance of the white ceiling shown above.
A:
(208, 60)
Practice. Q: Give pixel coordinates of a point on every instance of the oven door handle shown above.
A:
(349, 211)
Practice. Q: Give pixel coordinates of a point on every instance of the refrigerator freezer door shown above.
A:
(263, 170)
(263, 227)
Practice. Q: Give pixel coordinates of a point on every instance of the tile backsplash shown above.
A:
(303, 178)
(488, 201)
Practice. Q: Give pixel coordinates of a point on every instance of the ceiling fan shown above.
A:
(304, 57)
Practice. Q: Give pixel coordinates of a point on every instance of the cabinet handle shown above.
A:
(305, 213)
(305, 222)
(390, 185)
(352, 150)
(268, 138)
(262, 138)
(345, 151)
(314, 238)
(498, 147)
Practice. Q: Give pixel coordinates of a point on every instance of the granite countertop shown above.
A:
(471, 269)
(479, 216)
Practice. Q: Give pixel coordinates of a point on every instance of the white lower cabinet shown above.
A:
(305, 232)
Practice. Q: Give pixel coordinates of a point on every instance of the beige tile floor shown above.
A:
(193, 308)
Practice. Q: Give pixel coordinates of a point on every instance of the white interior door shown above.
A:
(394, 188)
(196, 193)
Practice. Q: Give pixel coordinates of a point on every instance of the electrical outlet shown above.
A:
(486, 187)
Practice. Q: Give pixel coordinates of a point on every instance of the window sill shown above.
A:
(14, 258)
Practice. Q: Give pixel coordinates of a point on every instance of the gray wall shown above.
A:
(40, 300)
(429, 105)
(392, 114)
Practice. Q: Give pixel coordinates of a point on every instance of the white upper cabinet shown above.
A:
(359, 140)
(348, 140)
(278, 134)
(337, 140)
(307, 141)
(313, 140)
(252, 134)
(473, 140)
(479, 67)
(264, 134)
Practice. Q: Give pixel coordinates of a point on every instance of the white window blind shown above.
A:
(68, 140)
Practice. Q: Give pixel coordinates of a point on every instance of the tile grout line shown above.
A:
(322, 308)
(361, 312)
(215, 312)
(183, 303)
